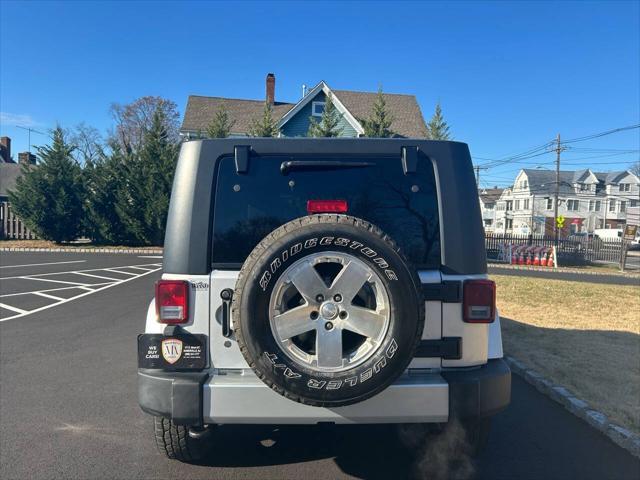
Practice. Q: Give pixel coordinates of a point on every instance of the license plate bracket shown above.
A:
(172, 352)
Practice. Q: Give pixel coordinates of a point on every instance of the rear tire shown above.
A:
(177, 443)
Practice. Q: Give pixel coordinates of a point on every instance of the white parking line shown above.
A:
(139, 268)
(118, 271)
(39, 264)
(46, 295)
(13, 309)
(40, 291)
(96, 276)
(79, 271)
(55, 281)
(149, 256)
(101, 286)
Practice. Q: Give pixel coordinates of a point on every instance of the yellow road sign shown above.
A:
(560, 221)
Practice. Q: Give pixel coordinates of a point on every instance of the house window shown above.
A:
(623, 206)
(489, 206)
(517, 205)
(594, 205)
(612, 205)
(317, 108)
(624, 187)
(526, 204)
(584, 187)
(509, 205)
(573, 205)
(487, 222)
(549, 203)
(634, 203)
(509, 223)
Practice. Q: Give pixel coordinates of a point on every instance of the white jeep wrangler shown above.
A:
(321, 281)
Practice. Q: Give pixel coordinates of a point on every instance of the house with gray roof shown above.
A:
(488, 198)
(10, 225)
(293, 117)
(587, 200)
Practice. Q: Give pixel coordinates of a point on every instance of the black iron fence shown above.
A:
(574, 250)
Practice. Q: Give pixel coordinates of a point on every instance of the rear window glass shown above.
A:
(249, 206)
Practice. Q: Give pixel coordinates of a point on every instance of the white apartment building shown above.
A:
(488, 198)
(587, 200)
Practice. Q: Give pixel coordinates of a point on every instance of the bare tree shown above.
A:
(88, 143)
(135, 118)
(635, 168)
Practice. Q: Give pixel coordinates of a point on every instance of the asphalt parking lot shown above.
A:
(68, 399)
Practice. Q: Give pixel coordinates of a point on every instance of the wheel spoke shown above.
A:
(294, 322)
(364, 321)
(350, 280)
(329, 347)
(308, 282)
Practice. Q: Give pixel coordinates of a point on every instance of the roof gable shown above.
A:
(313, 93)
(407, 119)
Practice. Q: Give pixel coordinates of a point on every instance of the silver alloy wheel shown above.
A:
(329, 311)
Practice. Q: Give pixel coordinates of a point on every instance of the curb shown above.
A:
(81, 250)
(598, 420)
(508, 266)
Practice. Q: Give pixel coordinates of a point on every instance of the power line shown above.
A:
(602, 134)
(536, 151)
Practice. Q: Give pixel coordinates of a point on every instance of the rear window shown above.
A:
(249, 206)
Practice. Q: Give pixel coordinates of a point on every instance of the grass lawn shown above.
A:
(584, 336)
(49, 244)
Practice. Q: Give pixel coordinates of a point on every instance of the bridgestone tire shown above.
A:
(251, 306)
(176, 443)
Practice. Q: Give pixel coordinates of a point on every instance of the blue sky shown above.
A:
(509, 75)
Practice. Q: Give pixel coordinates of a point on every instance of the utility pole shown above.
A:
(556, 231)
(533, 208)
(477, 168)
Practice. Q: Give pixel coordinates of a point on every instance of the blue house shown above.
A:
(293, 118)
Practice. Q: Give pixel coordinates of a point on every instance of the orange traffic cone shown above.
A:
(550, 261)
(528, 256)
(521, 258)
(543, 258)
(536, 258)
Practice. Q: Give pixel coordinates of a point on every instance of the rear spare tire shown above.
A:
(327, 311)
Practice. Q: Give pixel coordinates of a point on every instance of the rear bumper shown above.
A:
(191, 399)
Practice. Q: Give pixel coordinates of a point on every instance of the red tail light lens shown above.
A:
(479, 301)
(172, 301)
(327, 206)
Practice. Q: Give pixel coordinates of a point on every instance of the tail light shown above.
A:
(479, 301)
(172, 301)
(327, 206)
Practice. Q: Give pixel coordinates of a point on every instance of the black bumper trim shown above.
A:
(479, 392)
(174, 395)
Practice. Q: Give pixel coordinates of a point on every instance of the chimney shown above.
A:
(271, 88)
(26, 158)
(5, 148)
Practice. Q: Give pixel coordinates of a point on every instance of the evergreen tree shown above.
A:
(143, 196)
(329, 121)
(437, 128)
(265, 126)
(221, 125)
(378, 125)
(102, 179)
(48, 197)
